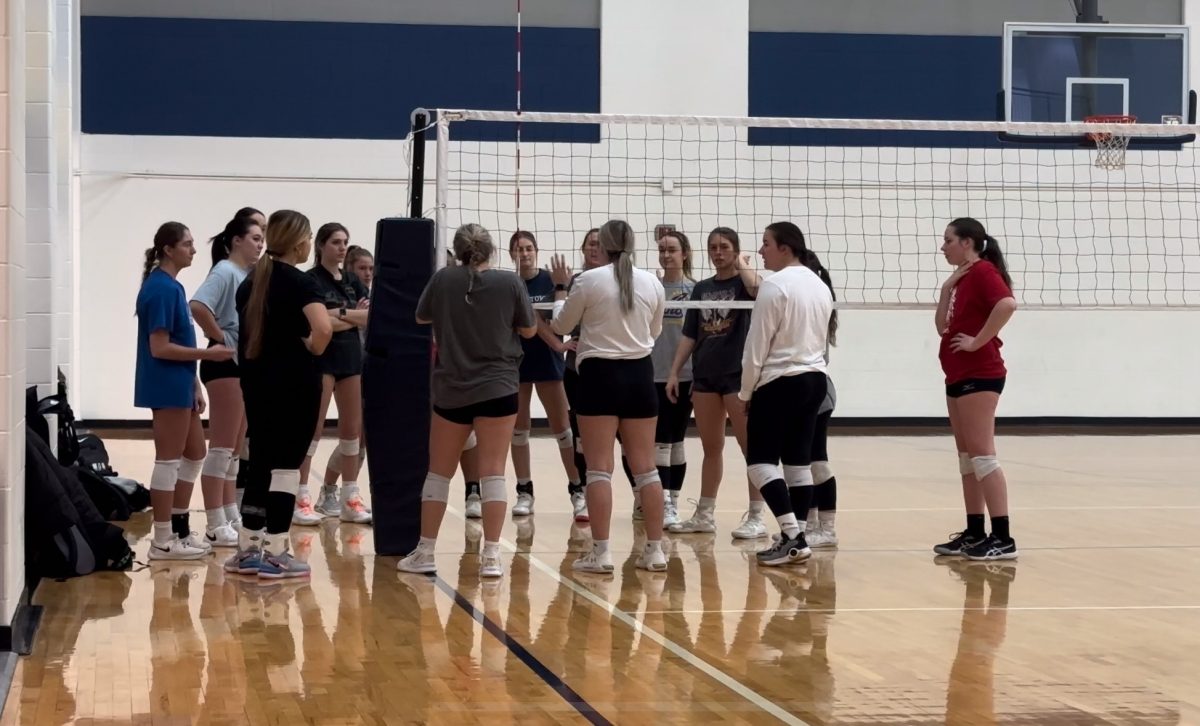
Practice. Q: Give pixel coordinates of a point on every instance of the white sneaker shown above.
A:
(304, 514)
(593, 561)
(701, 521)
(524, 505)
(752, 527)
(821, 538)
(670, 512)
(490, 565)
(329, 502)
(175, 549)
(579, 506)
(355, 511)
(419, 561)
(195, 540)
(652, 559)
(474, 507)
(223, 536)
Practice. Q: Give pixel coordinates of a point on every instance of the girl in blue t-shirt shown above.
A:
(213, 306)
(165, 382)
(542, 367)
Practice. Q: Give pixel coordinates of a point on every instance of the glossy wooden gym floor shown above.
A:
(1098, 622)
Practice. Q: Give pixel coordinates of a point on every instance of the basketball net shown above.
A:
(1110, 148)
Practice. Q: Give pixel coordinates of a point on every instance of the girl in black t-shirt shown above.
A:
(714, 339)
(283, 328)
(542, 370)
(347, 301)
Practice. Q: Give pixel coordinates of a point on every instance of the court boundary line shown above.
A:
(540, 669)
(937, 609)
(729, 682)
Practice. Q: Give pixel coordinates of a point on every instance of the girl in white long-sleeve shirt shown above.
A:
(783, 379)
(619, 309)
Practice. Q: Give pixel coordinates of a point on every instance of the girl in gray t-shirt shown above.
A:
(477, 314)
(214, 308)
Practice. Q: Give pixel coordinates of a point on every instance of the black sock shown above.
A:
(1000, 527)
(280, 507)
(180, 525)
(825, 495)
(678, 474)
(664, 476)
(526, 488)
(243, 474)
(975, 526)
(574, 488)
(472, 488)
(252, 519)
(775, 494)
(802, 498)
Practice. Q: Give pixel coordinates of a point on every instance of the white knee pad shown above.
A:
(347, 447)
(216, 463)
(662, 454)
(436, 488)
(520, 437)
(312, 448)
(565, 439)
(492, 489)
(821, 471)
(235, 466)
(964, 463)
(798, 476)
(285, 481)
(984, 465)
(650, 478)
(472, 442)
(761, 474)
(678, 454)
(189, 469)
(598, 477)
(162, 479)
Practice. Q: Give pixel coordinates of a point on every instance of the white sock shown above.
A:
(789, 525)
(653, 544)
(249, 538)
(491, 549)
(757, 507)
(707, 504)
(812, 522)
(827, 519)
(162, 533)
(231, 513)
(216, 518)
(427, 543)
(241, 494)
(600, 546)
(302, 493)
(349, 490)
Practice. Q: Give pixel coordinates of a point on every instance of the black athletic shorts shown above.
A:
(491, 408)
(725, 384)
(621, 388)
(961, 388)
(211, 370)
(344, 356)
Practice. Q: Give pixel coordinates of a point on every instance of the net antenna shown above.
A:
(517, 175)
(1110, 146)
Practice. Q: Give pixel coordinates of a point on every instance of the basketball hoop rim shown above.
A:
(1107, 119)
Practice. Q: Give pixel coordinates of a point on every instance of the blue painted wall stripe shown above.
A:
(171, 76)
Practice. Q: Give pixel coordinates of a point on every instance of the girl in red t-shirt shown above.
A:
(975, 303)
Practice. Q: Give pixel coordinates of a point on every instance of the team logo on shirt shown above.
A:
(950, 308)
(717, 321)
(675, 315)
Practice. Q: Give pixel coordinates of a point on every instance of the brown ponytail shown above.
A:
(985, 245)
(286, 230)
(169, 234)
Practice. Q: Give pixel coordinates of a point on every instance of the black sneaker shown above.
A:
(785, 551)
(959, 541)
(992, 548)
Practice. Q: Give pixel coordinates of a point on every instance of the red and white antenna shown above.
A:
(517, 175)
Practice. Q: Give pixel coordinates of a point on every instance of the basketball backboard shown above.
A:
(1064, 72)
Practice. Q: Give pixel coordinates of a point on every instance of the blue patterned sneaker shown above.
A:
(245, 562)
(281, 566)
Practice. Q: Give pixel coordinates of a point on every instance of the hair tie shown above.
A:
(984, 244)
